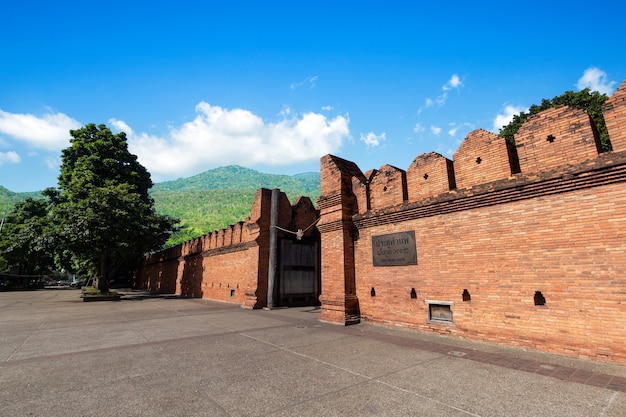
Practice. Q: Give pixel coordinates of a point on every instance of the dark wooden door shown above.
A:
(299, 280)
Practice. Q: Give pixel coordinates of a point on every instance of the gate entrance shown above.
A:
(299, 273)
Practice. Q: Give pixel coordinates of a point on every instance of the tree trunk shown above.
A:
(102, 276)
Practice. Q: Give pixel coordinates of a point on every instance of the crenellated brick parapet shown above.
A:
(614, 111)
(549, 140)
(522, 245)
(429, 174)
(555, 138)
(482, 157)
(388, 187)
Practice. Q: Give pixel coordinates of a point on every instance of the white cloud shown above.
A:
(454, 128)
(121, 125)
(327, 108)
(285, 111)
(219, 136)
(596, 80)
(505, 118)
(435, 130)
(418, 128)
(53, 163)
(371, 139)
(310, 81)
(50, 131)
(9, 157)
(453, 83)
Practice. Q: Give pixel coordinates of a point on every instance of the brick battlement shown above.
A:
(523, 245)
(551, 140)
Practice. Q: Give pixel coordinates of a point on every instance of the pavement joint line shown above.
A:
(20, 346)
(9, 362)
(609, 404)
(367, 378)
(560, 372)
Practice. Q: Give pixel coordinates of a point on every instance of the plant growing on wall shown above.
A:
(590, 101)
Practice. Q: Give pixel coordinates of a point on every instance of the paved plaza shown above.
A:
(167, 356)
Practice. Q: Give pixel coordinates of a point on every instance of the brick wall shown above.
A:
(388, 187)
(522, 246)
(429, 174)
(615, 118)
(337, 206)
(482, 157)
(230, 264)
(556, 137)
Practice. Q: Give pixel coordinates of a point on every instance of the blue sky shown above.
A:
(276, 85)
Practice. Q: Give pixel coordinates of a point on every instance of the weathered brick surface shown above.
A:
(337, 206)
(489, 246)
(614, 111)
(571, 247)
(482, 157)
(554, 138)
(361, 191)
(387, 187)
(429, 174)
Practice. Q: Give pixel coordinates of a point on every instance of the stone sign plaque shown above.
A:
(394, 249)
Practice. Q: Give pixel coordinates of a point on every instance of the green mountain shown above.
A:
(9, 198)
(223, 196)
(237, 177)
(208, 201)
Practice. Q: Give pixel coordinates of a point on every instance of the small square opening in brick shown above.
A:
(232, 293)
(440, 312)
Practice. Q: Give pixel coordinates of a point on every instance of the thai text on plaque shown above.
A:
(394, 249)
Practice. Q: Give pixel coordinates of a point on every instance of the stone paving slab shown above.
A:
(166, 356)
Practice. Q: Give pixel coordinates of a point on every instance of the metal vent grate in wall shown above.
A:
(440, 312)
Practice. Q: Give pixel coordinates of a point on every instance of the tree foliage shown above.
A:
(590, 101)
(104, 216)
(27, 240)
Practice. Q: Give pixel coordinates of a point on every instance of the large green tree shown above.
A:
(590, 101)
(27, 239)
(105, 216)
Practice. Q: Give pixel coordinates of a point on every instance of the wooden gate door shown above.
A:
(299, 279)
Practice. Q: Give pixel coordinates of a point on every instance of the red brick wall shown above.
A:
(230, 264)
(482, 157)
(429, 174)
(387, 187)
(554, 138)
(337, 206)
(226, 276)
(614, 111)
(500, 237)
(571, 247)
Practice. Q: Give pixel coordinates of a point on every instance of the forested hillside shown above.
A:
(9, 198)
(208, 201)
(223, 196)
